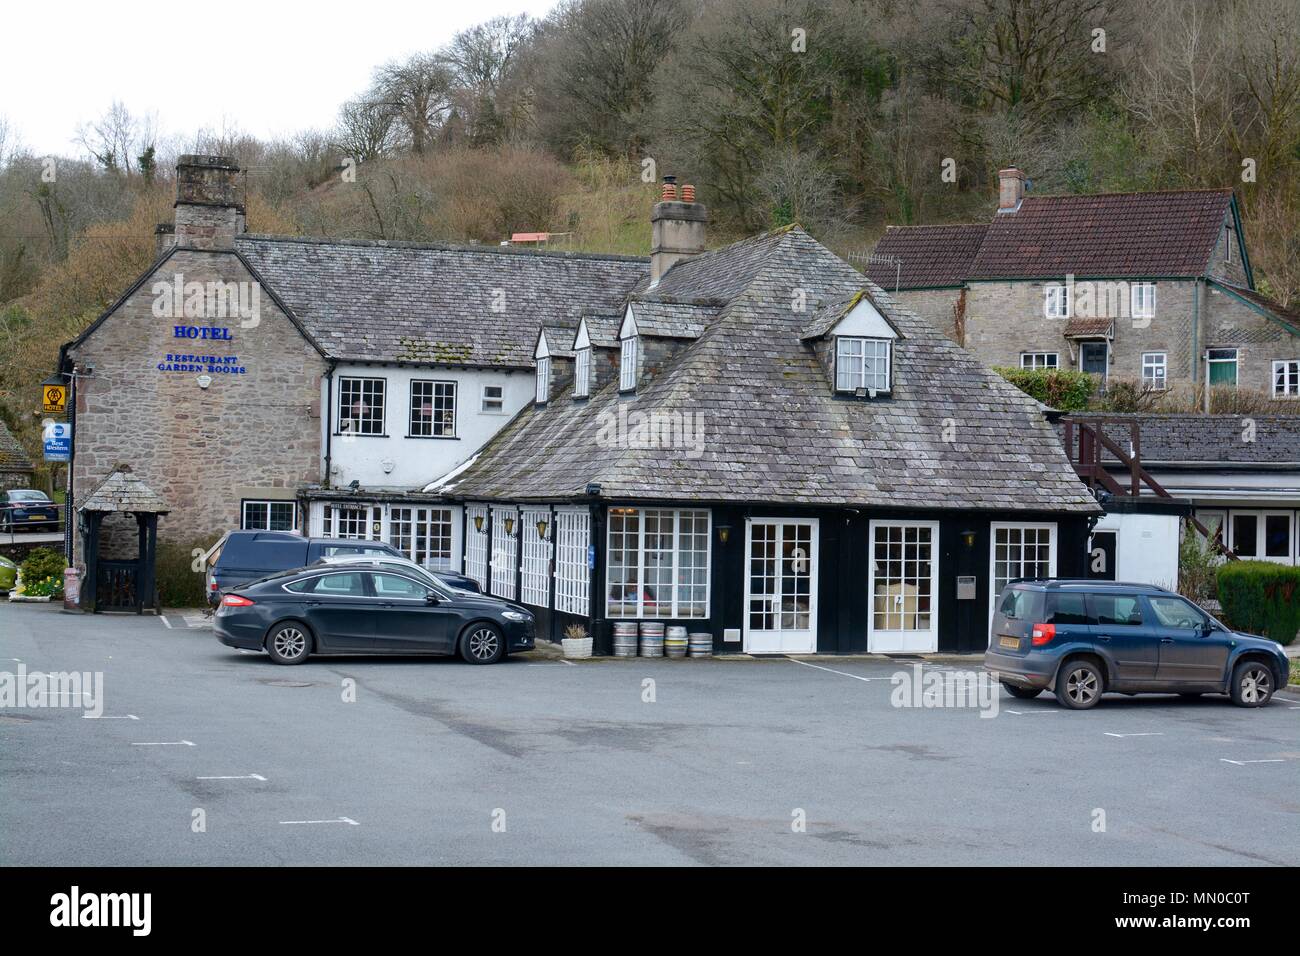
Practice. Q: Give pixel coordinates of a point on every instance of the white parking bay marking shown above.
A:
(109, 717)
(1109, 734)
(165, 623)
(164, 743)
(247, 776)
(1030, 713)
(347, 820)
(833, 671)
(1242, 763)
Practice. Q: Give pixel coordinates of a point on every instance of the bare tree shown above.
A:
(418, 93)
(365, 130)
(116, 139)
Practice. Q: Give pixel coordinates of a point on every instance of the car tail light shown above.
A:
(234, 600)
(1043, 634)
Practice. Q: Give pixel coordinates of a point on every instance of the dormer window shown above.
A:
(627, 365)
(582, 373)
(861, 363)
(543, 379)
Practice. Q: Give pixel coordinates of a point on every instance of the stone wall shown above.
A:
(201, 449)
(936, 306)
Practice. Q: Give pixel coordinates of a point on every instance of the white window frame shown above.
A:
(893, 641)
(1150, 364)
(348, 425)
(627, 358)
(264, 506)
(1142, 300)
(427, 534)
(493, 404)
(572, 543)
(676, 606)
(868, 374)
(1235, 362)
(994, 527)
(1039, 360)
(1056, 301)
(535, 558)
(476, 545)
(543, 379)
(582, 373)
(1290, 369)
(356, 522)
(1261, 516)
(437, 386)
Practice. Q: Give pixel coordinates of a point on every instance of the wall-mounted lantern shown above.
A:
(509, 524)
(968, 538)
(541, 528)
(478, 524)
(724, 533)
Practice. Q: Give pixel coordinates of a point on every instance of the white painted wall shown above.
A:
(1146, 547)
(396, 461)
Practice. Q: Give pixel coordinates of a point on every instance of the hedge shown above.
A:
(1260, 597)
(42, 563)
(1059, 388)
(179, 584)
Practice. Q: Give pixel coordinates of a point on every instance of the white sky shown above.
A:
(268, 68)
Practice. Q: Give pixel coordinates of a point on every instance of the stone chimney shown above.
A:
(209, 202)
(1011, 189)
(164, 237)
(677, 229)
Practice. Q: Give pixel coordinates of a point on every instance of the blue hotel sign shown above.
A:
(191, 362)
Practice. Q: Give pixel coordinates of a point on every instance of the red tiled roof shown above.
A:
(1084, 328)
(928, 256)
(1112, 234)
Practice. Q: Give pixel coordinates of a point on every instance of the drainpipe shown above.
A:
(1196, 344)
(326, 414)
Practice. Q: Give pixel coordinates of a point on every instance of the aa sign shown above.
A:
(54, 398)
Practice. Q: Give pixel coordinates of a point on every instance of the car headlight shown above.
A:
(516, 616)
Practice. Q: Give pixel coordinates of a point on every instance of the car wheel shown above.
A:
(1252, 684)
(1080, 684)
(288, 643)
(482, 644)
(1022, 693)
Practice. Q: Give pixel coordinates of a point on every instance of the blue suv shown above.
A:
(1081, 639)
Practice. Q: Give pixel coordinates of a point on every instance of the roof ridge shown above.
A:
(441, 247)
(1218, 190)
(940, 225)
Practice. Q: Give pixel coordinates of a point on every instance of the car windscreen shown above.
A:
(33, 496)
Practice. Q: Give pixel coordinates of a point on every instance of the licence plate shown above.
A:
(1008, 642)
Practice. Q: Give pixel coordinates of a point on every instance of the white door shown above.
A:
(903, 584)
(781, 586)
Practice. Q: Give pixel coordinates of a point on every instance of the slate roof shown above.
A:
(1133, 235)
(770, 429)
(123, 491)
(670, 318)
(602, 330)
(829, 315)
(559, 339)
(411, 302)
(1205, 440)
(13, 457)
(930, 256)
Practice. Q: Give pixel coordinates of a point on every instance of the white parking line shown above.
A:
(109, 717)
(164, 743)
(1029, 713)
(830, 670)
(1242, 763)
(165, 623)
(247, 776)
(339, 820)
(1109, 734)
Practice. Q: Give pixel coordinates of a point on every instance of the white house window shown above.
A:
(494, 401)
(543, 379)
(433, 409)
(1286, 379)
(582, 373)
(363, 523)
(1020, 551)
(627, 364)
(505, 551)
(269, 516)
(1040, 359)
(1262, 535)
(1056, 302)
(658, 563)
(536, 559)
(1142, 300)
(476, 544)
(1155, 369)
(424, 535)
(572, 569)
(861, 363)
(361, 406)
(1221, 366)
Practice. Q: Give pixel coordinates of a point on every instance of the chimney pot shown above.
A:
(669, 192)
(677, 229)
(1011, 189)
(688, 193)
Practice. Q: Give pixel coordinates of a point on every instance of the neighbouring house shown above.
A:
(760, 444)
(16, 469)
(284, 383)
(1150, 287)
(1239, 474)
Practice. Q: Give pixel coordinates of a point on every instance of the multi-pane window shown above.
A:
(582, 373)
(505, 551)
(361, 406)
(534, 582)
(494, 400)
(861, 363)
(658, 563)
(1142, 300)
(903, 576)
(1222, 366)
(423, 534)
(627, 364)
(1155, 369)
(572, 568)
(347, 522)
(1022, 551)
(476, 544)
(1040, 359)
(543, 379)
(269, 516)
(1056, 302)
(1286, 379)
(433, 409)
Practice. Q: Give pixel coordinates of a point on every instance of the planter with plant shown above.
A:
(576, 642)
(40, 576)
